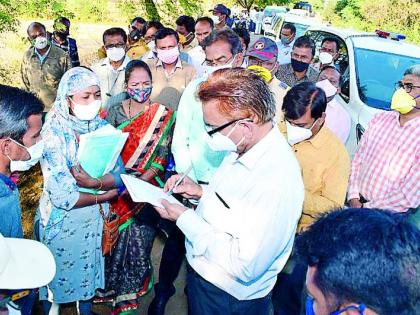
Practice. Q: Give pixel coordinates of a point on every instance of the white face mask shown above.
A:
(297, 134)
(35, 153)
(216, 19)
(325, 58)
(329, 89)
(151, 45)
(115, 53)
(219, 142)
(41, 42)
(86, 112)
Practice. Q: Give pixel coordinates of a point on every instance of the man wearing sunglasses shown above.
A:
(241, 234)
(385, 171)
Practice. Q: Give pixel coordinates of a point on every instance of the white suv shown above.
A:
(371, 64)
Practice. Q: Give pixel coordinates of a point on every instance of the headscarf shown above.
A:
(73, 81)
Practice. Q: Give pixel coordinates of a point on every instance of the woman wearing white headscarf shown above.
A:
(70, 222)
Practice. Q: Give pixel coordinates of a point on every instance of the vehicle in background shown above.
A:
(370, 64)
(270, 13)
(299, 12)
(304, 5)
(301, 24)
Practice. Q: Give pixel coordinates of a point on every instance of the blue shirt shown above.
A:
(10, 213)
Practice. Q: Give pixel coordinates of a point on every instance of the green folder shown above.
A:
(99, 151)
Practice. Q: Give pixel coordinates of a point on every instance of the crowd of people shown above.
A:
(273, 213)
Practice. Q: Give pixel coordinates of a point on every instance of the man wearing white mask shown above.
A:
(338, 119)
(168, 70)
(220, 15)
(233, 258)
(43, 65)
(325, 166)
(21, 148)
(223, 50)
(189, 147)
(111, 69)
(323, 158)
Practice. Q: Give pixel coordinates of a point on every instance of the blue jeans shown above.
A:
(206, 299)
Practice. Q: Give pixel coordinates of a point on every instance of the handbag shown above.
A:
(110, 230)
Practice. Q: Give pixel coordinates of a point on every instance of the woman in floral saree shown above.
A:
(128, 272)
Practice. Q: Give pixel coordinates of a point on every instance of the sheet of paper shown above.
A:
(141, 191)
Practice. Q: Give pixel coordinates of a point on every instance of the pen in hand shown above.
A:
(179, 181)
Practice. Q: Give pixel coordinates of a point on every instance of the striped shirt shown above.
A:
(386, 169)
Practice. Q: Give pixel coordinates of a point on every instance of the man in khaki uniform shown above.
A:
(264, 53)
(170, 74)
(43, 65)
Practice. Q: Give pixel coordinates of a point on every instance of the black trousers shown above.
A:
(173, 251)
(288, 291)
(206, 299)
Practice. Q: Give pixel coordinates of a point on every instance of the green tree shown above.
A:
(8, 20)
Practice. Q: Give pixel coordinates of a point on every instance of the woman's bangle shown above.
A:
(101, 184)
(154, 171)
(96, 199)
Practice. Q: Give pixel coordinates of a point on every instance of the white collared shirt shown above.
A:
(198, 56)
(240, 244)
(111, 80)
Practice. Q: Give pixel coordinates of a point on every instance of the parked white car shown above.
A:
(371, 64)
(301, 23)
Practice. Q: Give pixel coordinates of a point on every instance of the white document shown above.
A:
(141, 191)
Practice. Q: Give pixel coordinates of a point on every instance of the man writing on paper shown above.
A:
(233, 256)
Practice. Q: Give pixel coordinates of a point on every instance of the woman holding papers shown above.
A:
(70, 222)
(128, 269)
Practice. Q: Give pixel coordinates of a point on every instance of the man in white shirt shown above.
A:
(338, 119)
(242, 232)
(285, 45)
(203, 27)
(111, 69)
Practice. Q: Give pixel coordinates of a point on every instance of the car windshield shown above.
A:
(273, 11)
(300, 29)
(377, 72)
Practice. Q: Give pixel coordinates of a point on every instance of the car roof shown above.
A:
(293, 18)
(372, 41)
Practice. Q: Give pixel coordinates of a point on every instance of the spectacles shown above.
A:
(269, 65)
(215, 63)
(114, 46)
(408, 87)
(220, 128)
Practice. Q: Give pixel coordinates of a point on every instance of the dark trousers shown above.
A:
(206, 299)
(287, 293)
(173, 251)
(172, 257)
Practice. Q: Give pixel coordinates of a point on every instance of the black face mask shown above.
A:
(299, 66)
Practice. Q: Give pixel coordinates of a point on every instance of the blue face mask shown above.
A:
(310, 308)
